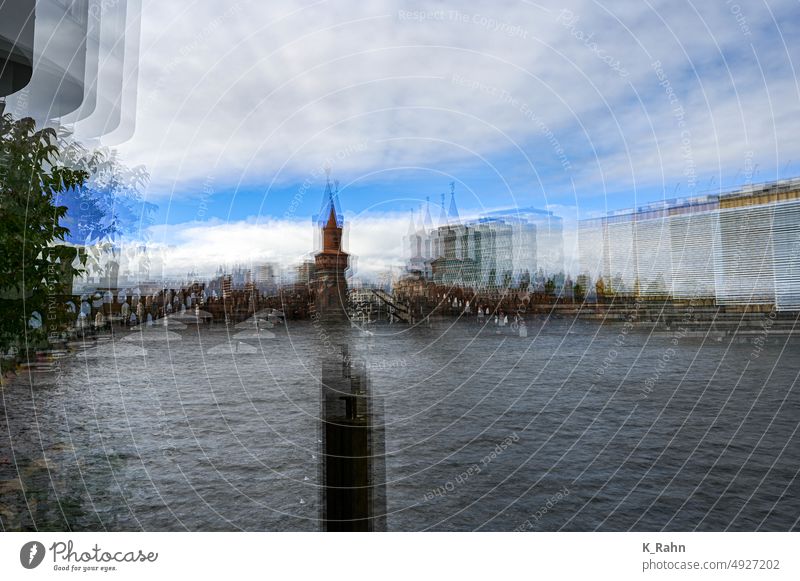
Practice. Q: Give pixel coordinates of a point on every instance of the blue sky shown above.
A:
(579, 106)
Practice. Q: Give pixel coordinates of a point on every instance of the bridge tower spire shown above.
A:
(330, 282)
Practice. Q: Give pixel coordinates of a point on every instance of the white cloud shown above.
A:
(263, 91)
(374, 241)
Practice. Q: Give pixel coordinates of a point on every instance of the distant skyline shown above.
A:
(566, 108)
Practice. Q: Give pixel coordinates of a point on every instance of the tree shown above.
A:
(32, 265)
(525, 280)
(107, 206)
(600, 289)
(110, 202)
(578, 292)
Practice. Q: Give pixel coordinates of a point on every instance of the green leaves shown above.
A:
(31, 176)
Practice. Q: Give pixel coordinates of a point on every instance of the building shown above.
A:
(73, 63)
(16, 46)
(304, 273)
(265, 278)
(538, 240)
(499, 250)
(737, 248)
(490, 244)
(330, 263)
(227, 287)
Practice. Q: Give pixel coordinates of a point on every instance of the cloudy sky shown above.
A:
(581, 107)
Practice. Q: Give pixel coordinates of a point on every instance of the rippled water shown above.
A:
(601, 429)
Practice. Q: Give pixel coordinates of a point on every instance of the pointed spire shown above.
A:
(428, 221)
(332, 220)
(452, 215)
(327, 180)
(442, 214)
(328, 211)
(412, 228)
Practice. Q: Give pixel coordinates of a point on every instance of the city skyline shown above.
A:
(562, 109)
(566, 110)
(296, 241)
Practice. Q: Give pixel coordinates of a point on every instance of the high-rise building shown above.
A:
(538, 239)
(305, 273)
(16, 46)
(500, 249)
(265, 278)
(227, 287)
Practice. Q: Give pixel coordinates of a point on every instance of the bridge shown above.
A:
(398, 310)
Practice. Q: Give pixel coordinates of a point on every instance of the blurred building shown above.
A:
(266, 280)
(331, 262)
(72, 62)
(500, 249)
(227, 286)
(739, 248)
(305, 272)
(16, 46)
(538, 239)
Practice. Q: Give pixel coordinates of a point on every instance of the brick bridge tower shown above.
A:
(330, 284)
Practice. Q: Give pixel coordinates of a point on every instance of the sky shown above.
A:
(578, 107)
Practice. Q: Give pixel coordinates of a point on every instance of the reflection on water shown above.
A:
(575, 427)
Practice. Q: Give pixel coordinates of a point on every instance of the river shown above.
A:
(576, 427)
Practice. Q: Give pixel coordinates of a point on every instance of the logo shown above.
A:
(31, 554)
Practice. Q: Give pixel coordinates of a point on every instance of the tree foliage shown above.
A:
(578, 292)
(110, 203)
(33, 173)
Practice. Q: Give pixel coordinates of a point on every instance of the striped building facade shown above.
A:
(739, 248)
